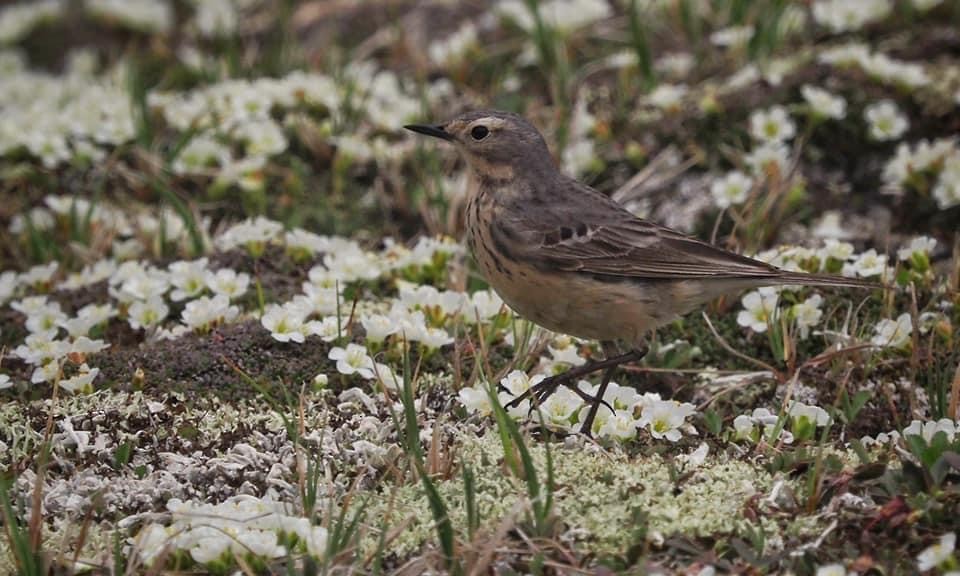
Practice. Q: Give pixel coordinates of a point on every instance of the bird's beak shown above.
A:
(436, 131)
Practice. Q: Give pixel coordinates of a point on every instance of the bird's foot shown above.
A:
(542, 390)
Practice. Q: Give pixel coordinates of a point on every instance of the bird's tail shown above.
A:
(805, 279)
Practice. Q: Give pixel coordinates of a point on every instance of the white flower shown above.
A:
(831, 570)
(834, 249)
(8, 285)
(731, 189)
(893, 333)
(885, 120)
(203, 312)
(349, 266)
(451, 302)
(559, 408)
(619, 425)
(83, 346)
(152, 542)
(147, 313)
(927, 430)
(743, 425)
(476, 400)
(924, 5)
(484, 305)
(565, 352)
(46, 373)
(328, 329)
(919, 245)
(759, 309)
(664, 418)
(733, 36)
(142, 284)
(433, 338)
(814, 415)
(352, 360)
(82, 381)
(867, 264)
(316, 541)
(937, 554)
(844, 15)
(189, 278)
(696, 458)
(285, 323)
(40, 274)
(228, 282)
(42, 347)
(320, 299)
(808, 314)
(824, 103)
(768, 156)
(262, 138)
(5, 382)
(667, 96)
(143, 15)
(45, 318)
(450, 49)
(387, 377)
(200, 156)
(772, 125)
(378, 327)
(947, 190)
(216, 17)
(253, 234)
(517, 382)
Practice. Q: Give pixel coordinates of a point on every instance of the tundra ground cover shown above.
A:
(240, 335)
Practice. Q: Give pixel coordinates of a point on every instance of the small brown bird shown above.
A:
(574, 261)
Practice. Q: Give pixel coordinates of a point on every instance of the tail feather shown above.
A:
(805, 279)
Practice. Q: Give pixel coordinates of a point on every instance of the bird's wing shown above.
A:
(603, 238)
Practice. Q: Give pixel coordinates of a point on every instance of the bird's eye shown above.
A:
(479, 132)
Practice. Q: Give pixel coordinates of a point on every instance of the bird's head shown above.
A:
(492, 142)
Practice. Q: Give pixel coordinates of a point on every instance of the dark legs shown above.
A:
(587, 426)
(545, 388)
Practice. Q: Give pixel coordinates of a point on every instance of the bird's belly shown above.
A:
(579, 305)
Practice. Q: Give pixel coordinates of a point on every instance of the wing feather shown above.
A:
(592, 234)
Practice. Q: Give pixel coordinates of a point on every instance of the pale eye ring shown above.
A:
(479, 132)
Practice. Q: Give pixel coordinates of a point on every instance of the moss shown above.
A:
(598, 495)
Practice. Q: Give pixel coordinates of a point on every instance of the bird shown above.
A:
(572, 260)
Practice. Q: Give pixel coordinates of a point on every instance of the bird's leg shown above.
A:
(597, 401)
(548, 386)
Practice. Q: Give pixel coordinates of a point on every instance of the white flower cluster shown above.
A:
(877, 65)
(451, 49)
(823, 104)
(49, 353)
(101, 216)
(216, 18)
(565, 410)
(254, 114)
(771, 129)
(214, 534)
(732, 37)
(761, 307)
(847, 15)
(151, 16)
(18, 20)
(926, 430)
(939, 160)
(580, 152)
(800, 422)
(885, 120)
(564, 15)
(59, 119)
